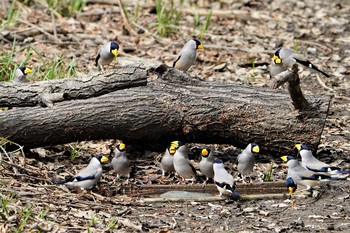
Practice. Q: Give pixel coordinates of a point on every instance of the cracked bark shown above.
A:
(172, 106)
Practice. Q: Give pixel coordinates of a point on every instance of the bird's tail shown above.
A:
(235, 196)
(317, 69)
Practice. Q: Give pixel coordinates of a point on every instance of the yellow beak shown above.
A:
(298, 146)
(256, 149)
(200, 47)
(27, 71)
(115, 52)
(172, 150)
(205, 152)
(276, 59)
(291, 190)
(175, 144)
(284, 158)
(104, 159)
(122, 146)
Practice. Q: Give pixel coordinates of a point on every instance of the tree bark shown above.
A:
(172, 106)
(27, 94)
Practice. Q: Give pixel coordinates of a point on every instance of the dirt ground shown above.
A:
(249, 34)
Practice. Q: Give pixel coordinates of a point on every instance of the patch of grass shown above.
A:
(10, 15)
(252, 74)
(63, 8)
(112, 224)
(94, 220)
(168, 16)
(56, 68)
(74, 152)
(268, 174)
(202, 27)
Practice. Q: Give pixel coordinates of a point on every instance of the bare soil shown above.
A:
(251, 32)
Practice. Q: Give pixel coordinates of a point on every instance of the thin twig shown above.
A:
(320, 81)
(54, 25)
(41, 30)
(125, 19)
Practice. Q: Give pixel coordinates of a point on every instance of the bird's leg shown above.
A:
(243, 179)
(163, 173)
(205, 182)
(193, 179)
(250, 179)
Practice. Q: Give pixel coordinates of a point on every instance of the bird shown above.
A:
(106, 54)
(309, 162)
(292, 187)
(206, 163)
(246, 160)
(21, 73)
(166, 164)
(120, 162)
(187, 55)
(303, 176)
(182, 164)
(223, 180)
(284, 58)
(88, 176)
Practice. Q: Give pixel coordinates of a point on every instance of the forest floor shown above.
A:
(239, 43)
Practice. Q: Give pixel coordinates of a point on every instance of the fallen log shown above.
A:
(171, 106)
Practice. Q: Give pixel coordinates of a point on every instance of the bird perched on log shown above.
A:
(246, 160)
(182, 164)
(106, 54)
(223, 180)
(187, 55)
(309, 162)
(88, 176)
(167, 164)
(21, 73)
(120, 161)
(285, 58)
(303, 176)
(206, 163)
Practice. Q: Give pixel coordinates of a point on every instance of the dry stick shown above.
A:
(125, 19)
(323, 84)
(53, 24)
(9, 158)
(41, 30)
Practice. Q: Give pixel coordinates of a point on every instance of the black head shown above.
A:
(277, 53)
(304, 147)
(198, 43)
(114, 45)
(22, 68)
(101, 158)
(217, 161)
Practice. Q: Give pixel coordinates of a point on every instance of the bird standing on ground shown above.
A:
(106, 54)
(206, 163)
(303, 176)
(223, 180)
(21, 73)
(120, 161)
(88, 176)
(285, 58)
(309, 162)
(187, 55)
(182, 164)
(167, 164)
(246, 160)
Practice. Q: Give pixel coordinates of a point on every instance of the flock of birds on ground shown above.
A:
(282, 60)
(308, 172)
